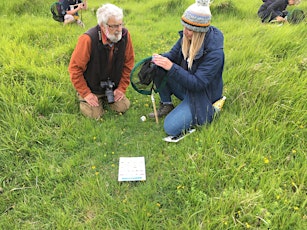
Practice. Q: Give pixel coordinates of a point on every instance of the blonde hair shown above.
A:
(191, 47)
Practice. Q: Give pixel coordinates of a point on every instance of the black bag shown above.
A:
(296, 16)
(143, 74)
(57, 11)
(147, 73)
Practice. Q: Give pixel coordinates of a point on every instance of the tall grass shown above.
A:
(58, 169)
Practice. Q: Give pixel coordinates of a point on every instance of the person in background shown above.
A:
(101, 64)
(275, 10)
(194, 68)
(72, 7)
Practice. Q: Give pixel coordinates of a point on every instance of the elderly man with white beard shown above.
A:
(101, 64)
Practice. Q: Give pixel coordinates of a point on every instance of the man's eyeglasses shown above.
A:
(113, 27)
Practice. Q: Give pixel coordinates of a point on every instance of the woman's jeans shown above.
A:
(180, 118)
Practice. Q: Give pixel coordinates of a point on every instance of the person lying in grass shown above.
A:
(72, 8)
(275, 10)
(194, 68)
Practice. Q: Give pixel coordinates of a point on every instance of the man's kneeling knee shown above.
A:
(68, 19)
(97, 111)
(121, 106)
(91, 111)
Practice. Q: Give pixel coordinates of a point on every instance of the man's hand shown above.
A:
(81, 6)
(118, 95)
(92, 99)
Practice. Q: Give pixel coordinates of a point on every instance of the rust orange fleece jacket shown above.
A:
(81, 56)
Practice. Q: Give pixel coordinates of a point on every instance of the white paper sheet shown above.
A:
(131, 169)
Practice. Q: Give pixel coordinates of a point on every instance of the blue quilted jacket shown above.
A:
(203, 82)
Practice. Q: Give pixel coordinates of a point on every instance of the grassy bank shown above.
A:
(58, 169)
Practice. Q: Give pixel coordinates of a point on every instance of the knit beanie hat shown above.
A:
(197, 16)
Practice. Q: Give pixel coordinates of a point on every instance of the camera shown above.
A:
(108, 87)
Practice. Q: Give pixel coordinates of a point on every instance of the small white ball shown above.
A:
(143, 118)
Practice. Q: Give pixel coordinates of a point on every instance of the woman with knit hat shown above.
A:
(194, 68)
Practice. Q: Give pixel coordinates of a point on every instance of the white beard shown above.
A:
(114, 37)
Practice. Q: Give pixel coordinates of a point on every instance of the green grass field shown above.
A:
(246, 170)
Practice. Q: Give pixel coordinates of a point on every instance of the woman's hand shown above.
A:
(161, 61)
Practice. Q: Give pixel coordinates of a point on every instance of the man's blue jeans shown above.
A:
(180, 118)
